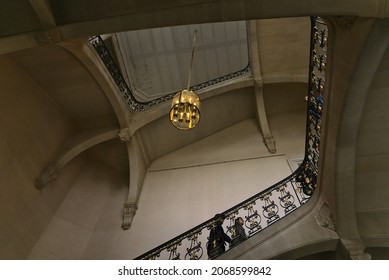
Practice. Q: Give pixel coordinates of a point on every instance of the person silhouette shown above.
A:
(217, 238)
(239, 233)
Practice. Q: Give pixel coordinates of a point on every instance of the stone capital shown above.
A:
(324, 217)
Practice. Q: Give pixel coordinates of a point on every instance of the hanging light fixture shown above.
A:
(185, 110)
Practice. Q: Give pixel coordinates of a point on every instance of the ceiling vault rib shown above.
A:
(79, 144)
(44, 13)
(138, 163)
(49, 34)
(268, 138)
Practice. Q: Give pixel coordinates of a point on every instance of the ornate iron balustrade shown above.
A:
(279, 200)
(127, 94)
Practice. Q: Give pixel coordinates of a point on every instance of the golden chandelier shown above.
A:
(185, 110)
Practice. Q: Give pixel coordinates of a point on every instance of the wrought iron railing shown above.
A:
(269, 206)
(126, 92)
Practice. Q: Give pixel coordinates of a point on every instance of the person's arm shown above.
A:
(222, 234)
(225, 236)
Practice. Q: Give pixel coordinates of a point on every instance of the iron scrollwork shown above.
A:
(253, 219)
(195, 251)
(270, 209)
(286, 199)
(173, 254)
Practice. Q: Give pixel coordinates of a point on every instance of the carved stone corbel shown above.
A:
(270, 143)
(361, 256)
(128, 215)
(324, 217)
(48, 174)
(355, 249)
(77, 146)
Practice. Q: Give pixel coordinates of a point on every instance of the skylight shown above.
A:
(155, 62)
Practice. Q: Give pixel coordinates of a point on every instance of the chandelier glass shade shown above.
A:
(185, 110)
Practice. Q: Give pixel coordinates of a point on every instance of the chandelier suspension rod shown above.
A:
(191, 62)
(185, 109)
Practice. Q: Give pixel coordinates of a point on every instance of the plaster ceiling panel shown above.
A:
(157, 61)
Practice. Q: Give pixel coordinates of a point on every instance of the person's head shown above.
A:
(219, 218)
(239, 220)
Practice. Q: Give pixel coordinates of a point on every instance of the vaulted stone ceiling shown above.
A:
(51, 45)
(27, 24)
